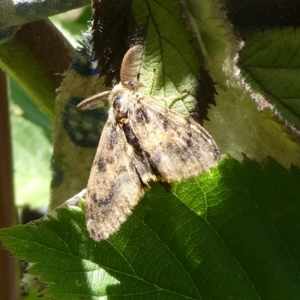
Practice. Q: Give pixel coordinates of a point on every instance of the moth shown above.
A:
(141, 141)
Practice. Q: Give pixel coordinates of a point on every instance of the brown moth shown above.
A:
(141, 141)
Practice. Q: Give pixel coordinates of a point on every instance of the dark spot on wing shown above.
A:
(93, 232)
(141, 116)
(94, 197)
(107, 200)
(165, 123)
(110, 160)
(189, 143)
(169, 146)
(101, 165)
(185, 149)
(207, 136)
(216, 154)
(113, 139)
(122, 170)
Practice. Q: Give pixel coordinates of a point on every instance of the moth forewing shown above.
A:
(114, 187)
(176, 146)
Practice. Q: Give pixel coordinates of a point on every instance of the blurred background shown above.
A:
(32, 153)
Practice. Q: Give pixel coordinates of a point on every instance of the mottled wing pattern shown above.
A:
(176, 146)
(114, 186)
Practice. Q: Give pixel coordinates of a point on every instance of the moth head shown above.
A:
(129, 82)
(120, 97)
(133, 86)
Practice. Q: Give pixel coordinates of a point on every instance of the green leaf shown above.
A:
(31, 152)
(30, 111)
(228, 234)
(270, 65)
(170, 65)
(32, 296)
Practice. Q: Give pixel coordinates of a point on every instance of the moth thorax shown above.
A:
(120, 107)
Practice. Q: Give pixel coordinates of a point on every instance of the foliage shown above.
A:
(213, 236)
(231, 233)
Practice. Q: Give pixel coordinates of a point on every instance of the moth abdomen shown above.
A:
(130, 137)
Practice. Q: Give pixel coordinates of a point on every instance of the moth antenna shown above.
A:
(130, 68)
(94, 101)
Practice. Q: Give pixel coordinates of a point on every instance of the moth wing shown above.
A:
(114, 187)
(177, 147)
